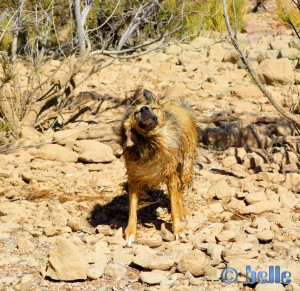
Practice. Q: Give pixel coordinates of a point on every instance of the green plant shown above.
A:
(209, 14)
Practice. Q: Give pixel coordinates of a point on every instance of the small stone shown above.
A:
(115, 270)
(252, 198)
(220, 190)
(287, 198)
(51, 230)
(226, 235)
(166, 235)
(194, 262)
(55, 152)
(152, 278)
(25, 244)
(104, 229)
(26, 282)
(265, 235)
(97, 263)
(240, 264)
(122, 258)
(212, 273)
(93, 151)
(260, 207)
(245, 107)
(153, 240)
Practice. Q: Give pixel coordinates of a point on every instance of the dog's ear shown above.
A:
(149, 96)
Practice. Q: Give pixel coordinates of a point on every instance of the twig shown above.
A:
(237, 214)
(279, 108)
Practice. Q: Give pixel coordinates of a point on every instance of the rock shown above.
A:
(217, 52)
(245, 107)
(236, 205)
(176, 250)
(261, 223)
(292, 181)
(93, 151)
(228, 162)
(26, 282)
(152, 278)
(215, 252)
(13, 213)
(67, 135)
(277, 71)
(166, 235)
(123, 258)
(148, 259)
(115, 270)
(269, 287)
(231, 56)
(194, 262)
(260, 207)
(254, 197)
(220, 190)
(247, 92)
(226, 235)
(55, 152)
(101, 247)
(30, 133)
(105, 230)
(67, 262)
(265, 235)
(25, 244)
(153, 240)
(240, 264)
(212, 273)
(289, 53)
(97, 262)
(287, 198)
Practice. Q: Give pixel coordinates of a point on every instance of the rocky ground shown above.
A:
(63, 201)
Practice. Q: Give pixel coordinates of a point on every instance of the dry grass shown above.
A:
(288, 8)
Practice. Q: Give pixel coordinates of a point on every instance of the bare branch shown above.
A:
(79, 26)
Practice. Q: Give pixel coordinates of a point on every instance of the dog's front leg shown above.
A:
(130, 231)
(173, 184)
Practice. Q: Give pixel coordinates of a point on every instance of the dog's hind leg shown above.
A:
(172, 185)
(130, 231)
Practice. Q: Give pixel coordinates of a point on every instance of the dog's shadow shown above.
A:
(115, 213)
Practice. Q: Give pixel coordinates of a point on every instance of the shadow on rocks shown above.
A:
(115, 213)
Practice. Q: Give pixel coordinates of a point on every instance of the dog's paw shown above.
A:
(181, 235)
(129, 237)
(130, 241)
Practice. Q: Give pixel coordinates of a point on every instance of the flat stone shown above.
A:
(152, 278)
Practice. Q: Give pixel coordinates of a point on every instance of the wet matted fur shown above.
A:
(159, 143)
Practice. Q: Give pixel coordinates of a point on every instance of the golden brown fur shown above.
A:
(159, 147)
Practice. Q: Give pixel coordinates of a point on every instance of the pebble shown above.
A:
(152, 278)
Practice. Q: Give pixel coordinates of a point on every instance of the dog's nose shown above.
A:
(144, 108)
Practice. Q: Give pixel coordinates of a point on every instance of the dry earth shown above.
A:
(63, 205)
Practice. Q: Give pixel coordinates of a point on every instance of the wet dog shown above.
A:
(159, 143)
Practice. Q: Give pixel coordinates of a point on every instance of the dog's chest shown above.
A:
(152, 171)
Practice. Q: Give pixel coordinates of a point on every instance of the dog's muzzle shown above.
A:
(147, 119)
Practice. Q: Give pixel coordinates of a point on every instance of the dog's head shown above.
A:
(143, 120)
